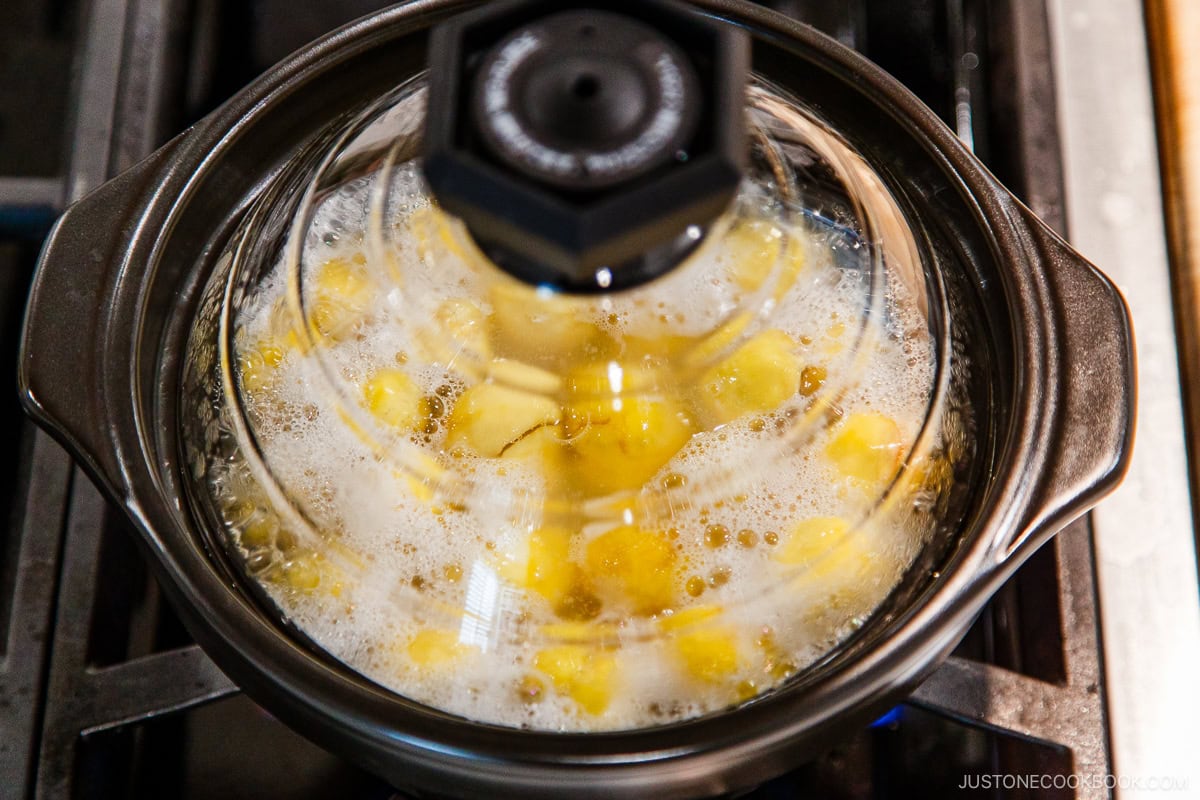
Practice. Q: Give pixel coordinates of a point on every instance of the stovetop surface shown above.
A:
(103, 694)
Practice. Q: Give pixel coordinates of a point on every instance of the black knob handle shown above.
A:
(585, 100)
(586, 146)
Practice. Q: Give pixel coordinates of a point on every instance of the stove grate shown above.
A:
(102, 694)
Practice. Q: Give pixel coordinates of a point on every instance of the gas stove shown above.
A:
(1075, 682)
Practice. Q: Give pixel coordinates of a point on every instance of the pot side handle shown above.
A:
(1092, 414)
(62, 342)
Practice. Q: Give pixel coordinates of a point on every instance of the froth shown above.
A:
(406, 558)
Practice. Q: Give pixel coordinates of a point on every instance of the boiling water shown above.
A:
(770, 547)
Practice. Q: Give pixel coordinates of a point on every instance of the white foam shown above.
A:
(368, 506)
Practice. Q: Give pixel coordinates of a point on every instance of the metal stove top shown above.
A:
(1076, 682)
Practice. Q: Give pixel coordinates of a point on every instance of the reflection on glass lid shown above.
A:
(582, 512)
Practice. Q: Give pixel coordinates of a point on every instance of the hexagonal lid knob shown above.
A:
(586, 146)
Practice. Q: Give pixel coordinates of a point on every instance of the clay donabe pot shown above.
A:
(120, 292)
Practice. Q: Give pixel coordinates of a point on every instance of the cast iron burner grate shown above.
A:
(103, 695)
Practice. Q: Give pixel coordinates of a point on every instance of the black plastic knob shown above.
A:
(587, 146)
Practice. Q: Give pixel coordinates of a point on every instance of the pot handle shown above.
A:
(62, 343)
(1091, 416)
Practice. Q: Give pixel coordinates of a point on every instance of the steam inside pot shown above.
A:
(582, 513)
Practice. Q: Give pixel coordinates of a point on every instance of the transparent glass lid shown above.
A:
(606, 511)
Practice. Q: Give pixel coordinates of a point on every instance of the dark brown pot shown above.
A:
(1051, 390)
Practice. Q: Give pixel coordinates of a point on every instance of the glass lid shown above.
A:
(574, 511)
